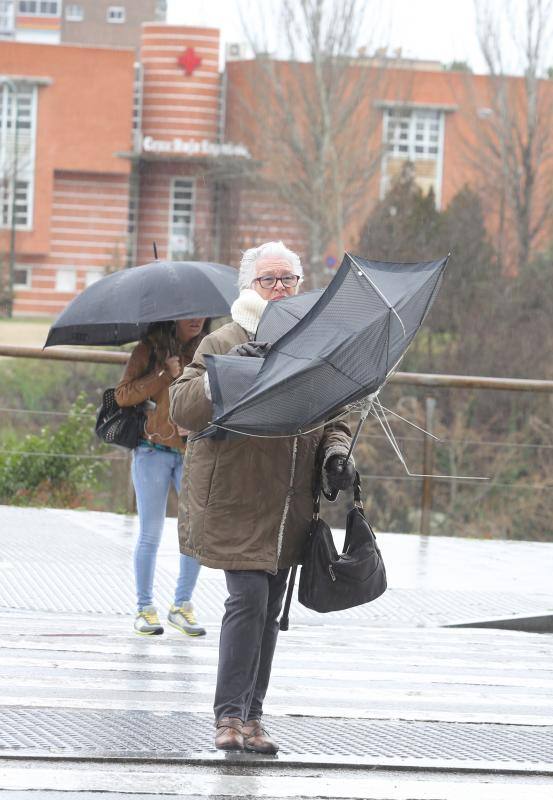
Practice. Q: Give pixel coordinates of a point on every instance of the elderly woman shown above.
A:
(246, 504)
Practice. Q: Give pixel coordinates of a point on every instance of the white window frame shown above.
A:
(74, 12)
(92, 276)
(120, 15)
(7, 17)
(420, 140)
(38, 8)
(26, 156)
(63, 273)
(175, 228)
(28, 278)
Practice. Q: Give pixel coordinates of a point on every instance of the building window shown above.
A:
(115, 14)
(181, 234)
(22, 278)
(137, 107)
(74, 12)
(17, 155)
(92, 276)
(39, 8)
(7, 18)
(161, 10)
(415, 135)
(66, 280)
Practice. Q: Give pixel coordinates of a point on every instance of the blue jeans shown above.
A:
(153, 471)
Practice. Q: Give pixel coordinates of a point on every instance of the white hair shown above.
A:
(251, 256)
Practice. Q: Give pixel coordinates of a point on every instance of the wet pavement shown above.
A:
(377, 702)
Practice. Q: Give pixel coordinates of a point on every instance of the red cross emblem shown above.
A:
(189, 60)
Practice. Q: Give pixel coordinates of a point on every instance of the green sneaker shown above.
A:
(182, 618)
(147, 622)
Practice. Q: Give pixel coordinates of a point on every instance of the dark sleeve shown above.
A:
(336, 439)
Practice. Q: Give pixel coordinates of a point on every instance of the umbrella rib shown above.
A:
(392, 439)
(375, 287)
(390, 436)
(408, 422)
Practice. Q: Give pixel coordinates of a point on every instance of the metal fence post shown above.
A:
(427, 468)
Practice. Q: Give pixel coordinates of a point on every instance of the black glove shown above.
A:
(252, 349)
(340, 474)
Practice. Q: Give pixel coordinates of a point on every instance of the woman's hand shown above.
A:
(250, 349)
(172, 365)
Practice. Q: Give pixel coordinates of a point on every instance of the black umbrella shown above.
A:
(119, 307)
(339, 353)
(280, 317)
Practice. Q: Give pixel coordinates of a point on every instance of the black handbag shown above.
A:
(119, 426)
(332, 581)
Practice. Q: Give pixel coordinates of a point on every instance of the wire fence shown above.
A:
(514, 468)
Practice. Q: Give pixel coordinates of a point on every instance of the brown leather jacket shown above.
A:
(140, 383)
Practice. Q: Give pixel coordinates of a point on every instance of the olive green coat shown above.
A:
(245, 503)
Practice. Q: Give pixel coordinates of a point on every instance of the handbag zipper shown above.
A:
(332, 573)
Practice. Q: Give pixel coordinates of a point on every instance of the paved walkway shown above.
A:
(379, 702)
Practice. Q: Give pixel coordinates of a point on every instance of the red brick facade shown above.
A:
(124, 155)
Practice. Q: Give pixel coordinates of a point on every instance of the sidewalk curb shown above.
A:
(329, 762)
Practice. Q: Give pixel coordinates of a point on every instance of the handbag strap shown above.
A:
(357, 502)
(284, 618)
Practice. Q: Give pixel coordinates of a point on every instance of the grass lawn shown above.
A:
(30, 331)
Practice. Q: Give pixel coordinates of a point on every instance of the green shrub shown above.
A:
(53, 467)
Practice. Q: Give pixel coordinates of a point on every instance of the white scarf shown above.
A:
(247, 310)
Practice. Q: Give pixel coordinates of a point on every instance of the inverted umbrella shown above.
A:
(281, 316)
(340, 352)
(118, 308)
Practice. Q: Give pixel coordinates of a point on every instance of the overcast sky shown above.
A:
(436, 29)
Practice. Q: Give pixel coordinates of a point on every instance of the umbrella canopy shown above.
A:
(278, 318)
(342, 350)
(119, 307)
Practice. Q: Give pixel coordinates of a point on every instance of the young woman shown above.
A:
(157, 463)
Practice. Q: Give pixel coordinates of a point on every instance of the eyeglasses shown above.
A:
(270, 281)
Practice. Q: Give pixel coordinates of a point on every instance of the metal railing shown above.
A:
(421, 380)
(404, 378)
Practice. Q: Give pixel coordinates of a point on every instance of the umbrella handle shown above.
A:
(362, 418)
(154, 245)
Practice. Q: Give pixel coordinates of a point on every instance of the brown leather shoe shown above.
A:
(256, 738)
(228, 734)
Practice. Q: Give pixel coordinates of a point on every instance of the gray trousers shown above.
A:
(249, 633)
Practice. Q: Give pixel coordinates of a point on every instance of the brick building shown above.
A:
(93, 22)
(114, 154)
(72, 189)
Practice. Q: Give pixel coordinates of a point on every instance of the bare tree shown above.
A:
(515, 140)
(320, 143)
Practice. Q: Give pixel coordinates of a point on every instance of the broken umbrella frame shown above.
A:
(332, 352)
